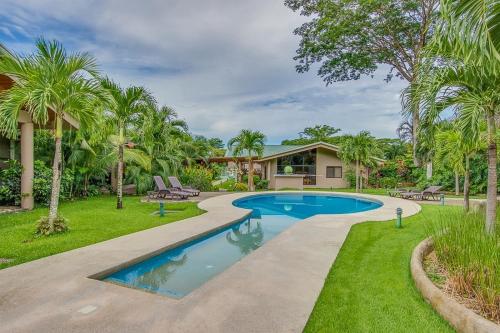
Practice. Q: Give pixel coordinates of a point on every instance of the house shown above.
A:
(315, 165)
(25, 142)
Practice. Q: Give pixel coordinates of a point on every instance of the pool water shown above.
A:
(178, 271)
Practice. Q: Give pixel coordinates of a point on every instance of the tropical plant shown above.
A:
(50, 81)
(461, 71)
(454, 151)
(250, 143)
(360, 149)
(198, 177)
(469, 257)
(123, 108)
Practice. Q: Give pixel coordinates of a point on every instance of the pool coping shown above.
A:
(262, 292)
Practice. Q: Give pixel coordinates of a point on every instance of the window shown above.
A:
(333, 172)
(303, 163)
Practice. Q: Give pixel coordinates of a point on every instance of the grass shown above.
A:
(370, 289)
(382, 191)
(90, 221)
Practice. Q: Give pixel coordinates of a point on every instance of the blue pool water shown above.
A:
(180, 270)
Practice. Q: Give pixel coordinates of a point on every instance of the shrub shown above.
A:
(43, 227)
(228, 185)
(244, 179)
(10, 183)
(198, 177)
(470, 257)
(262, 184)
(288, 170)
(240, 187)
(388, 182)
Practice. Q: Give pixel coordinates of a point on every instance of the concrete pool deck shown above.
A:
(273, 289)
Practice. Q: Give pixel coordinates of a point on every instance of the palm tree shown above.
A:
(360, 150)
(48, 81)
(461, 72)
(124, 107)
(251, 143)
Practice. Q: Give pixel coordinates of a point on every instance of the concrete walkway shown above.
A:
(271, 290)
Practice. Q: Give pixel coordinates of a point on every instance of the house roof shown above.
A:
(269, 150)
(274, 151)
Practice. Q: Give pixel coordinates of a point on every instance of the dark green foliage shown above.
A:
(10, 183)
(262, 184)
(197, 177)
(42, 183)
(351, 38)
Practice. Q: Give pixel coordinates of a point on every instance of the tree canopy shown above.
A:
(352, 38)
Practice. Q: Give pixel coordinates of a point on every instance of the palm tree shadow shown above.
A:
(158, 276)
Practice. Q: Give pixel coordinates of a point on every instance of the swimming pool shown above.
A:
(178, 271)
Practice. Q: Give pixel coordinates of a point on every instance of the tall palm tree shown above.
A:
(50, 80)
(124, 107)
(462, 72)
(251, 143)
(359, 149)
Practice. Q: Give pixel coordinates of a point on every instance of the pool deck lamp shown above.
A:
(162, 208)
(399, 213)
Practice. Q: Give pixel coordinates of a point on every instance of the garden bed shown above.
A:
(463, 312)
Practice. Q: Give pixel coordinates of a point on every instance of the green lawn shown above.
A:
(370, 288)
(382, 191)
(90, 221)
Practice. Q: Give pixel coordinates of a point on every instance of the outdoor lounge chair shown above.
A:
(397, 192)
(431, 191)
(163, 192)
(176, 184)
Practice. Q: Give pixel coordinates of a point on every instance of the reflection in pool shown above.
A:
(180, 270)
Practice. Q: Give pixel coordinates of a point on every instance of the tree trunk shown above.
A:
(119, 175)
(415, 125)
(357, 176)
(56, 175)
(467, 184)
(12, 149)
(491, 196)
(250, 174)
(428, 172)
(457, 183)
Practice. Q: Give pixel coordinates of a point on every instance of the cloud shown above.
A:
(224, 65)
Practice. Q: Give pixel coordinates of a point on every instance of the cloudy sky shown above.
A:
(223, 65)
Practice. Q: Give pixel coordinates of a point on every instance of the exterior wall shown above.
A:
(273, 170)
(324, 158)
(289, 182)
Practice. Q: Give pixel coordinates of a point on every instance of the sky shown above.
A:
(222, 65)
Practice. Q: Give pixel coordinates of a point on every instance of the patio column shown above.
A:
(27, 174)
